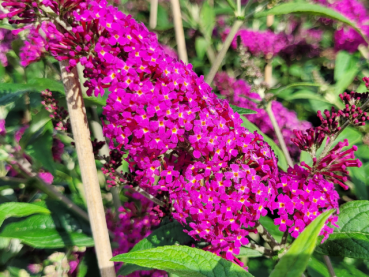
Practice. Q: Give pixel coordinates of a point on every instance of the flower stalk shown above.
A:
(278, 133)
(219, 59)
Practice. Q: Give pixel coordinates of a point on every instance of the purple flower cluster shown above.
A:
(261, 43)
(2, 127)
(346, 38)
(305, 42)
(301, 42)
(133, 225)
(238, 93)
(333, 166)
(33, 48)
(58, 114)
(6, 38)
(302, 200)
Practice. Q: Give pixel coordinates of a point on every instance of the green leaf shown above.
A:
(360, 178)
(11, 97)
(169, 234)
(342, 63)
(346, 79)
(242, 111)
(248, 252)
(294, 262)
(130, 268)
(305, 94)
(201, 45)
(40, 151)
(3, 155)
(163, 22)
(183, 261)
(14, 209)
(282, 163)
(317, 268)
(15, 91)
(351, 238)
(60, 229)
(43, 83)
(269, 225)
(207, 19)
(300, 84)
(312, 9)
(6, 26)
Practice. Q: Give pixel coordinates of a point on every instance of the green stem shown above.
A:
(279, 134)
(329, 266)
(219, 59)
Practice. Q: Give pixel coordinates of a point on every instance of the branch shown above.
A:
(274, 245)
(148, 195)
(50, 190)
(279, 134)
(266, 252)
(329, 266)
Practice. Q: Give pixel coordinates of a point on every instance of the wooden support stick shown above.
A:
(81, 134)
(180, 37)
(153, 13)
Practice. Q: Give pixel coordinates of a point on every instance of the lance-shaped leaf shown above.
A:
(14, 209)
(312, 9)
(57, 230)
(294, 262)
(241, 110)
(351, 238)
(168, 234)
(183, 261)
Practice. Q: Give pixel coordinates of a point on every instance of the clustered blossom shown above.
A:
(58, 264)
(238, 93)
(261, 43)
(301, 42)
(133, 225)
(346, 38)
(57, 149)
(6, 38)
(181, 138)
(2, 127)
(47, 177)
(58, 114)
(333, 166)
(33, 48)
(302, 200)
(304, 42)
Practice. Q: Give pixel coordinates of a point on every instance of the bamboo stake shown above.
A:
(98, 134)
(180, 38)
(153, 13)
(81, 134)
(270, 20)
